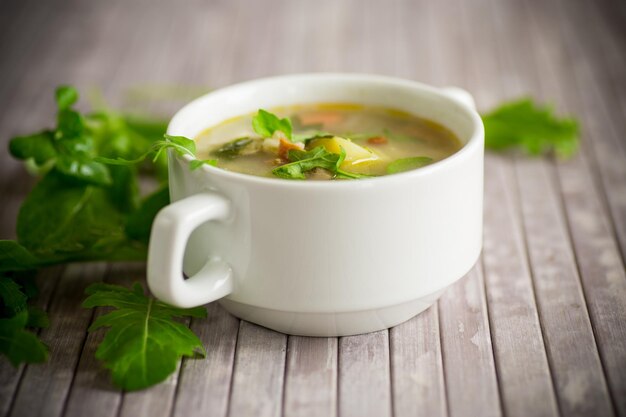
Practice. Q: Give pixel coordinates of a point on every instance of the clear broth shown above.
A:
(406, 136)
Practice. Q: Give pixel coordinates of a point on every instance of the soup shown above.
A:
(325, 142)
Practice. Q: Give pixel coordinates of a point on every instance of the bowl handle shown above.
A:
(170, 232)
(460, 95)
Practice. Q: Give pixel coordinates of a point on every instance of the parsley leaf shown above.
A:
(533, 128)
(15, 257)
(16, 342)
(66, 96)
(143, 344)
(266, 123)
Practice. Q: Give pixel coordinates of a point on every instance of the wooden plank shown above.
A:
(522, 367)
(570, 343)
(417, 382)
(599, 68)
(204, 384)
(468, 362)
(311, 377)
(468, 359)
(10, 376)
(602, 274)
(258, 375)
(579, 380)
(597, 252)
(523, 372)
(93, 393)
(44, 388)
(364, 375)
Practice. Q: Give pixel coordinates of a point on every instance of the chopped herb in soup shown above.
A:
(326, 142)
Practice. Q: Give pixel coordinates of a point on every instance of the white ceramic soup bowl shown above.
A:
(320, 258)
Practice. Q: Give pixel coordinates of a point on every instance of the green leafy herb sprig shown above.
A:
(319, 157)
(17, 343)
(535, 129)
(143, 344)
(86, 206)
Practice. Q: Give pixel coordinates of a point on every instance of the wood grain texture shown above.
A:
(364, 375)
(570, 343)
(600, 63)
(311, 377)
(258, 375)
(468, 362)
(538, 328)
(44, 388)
(417, 380)
(204, 384)
(523, 371)
(10, 377)
(597, 252)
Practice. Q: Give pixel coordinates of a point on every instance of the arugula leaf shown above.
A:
(266, 123)
(69, 148)
(38, 146)
(533, 128)
(233, 148)
(304, 161)
(12, 297)
(18, 344)
(318, 157)
(65, 96)
(143, 344)
(407, 164)
(139, 223)
(309, 136)
(83, 169)
(37, 318)
(58, 216)
(15, 257)
(180, 144)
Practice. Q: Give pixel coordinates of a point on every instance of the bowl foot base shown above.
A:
(331, 324)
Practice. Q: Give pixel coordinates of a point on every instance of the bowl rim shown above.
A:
(476, 139)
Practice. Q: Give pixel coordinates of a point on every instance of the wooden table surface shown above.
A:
(537, 328)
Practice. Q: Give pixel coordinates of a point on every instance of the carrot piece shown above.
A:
(324, 118)
(377, 140)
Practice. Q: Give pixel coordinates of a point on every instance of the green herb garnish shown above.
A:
(17, 343)
(407, 164)
(319, 157)
(81, 209)
(233, 148)
(266, 123)
(524, 124)
(143, 344)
